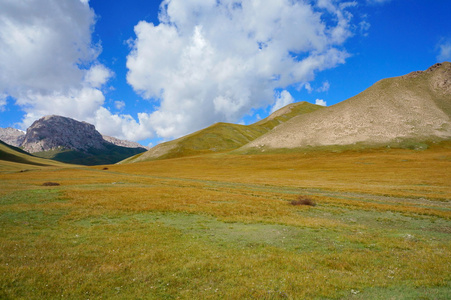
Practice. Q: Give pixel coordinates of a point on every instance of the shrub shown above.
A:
(303, 200)
(49, 183)
(105, 168)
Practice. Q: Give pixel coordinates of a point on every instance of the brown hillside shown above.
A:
(415, 106)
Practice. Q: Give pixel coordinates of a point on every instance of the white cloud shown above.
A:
(121, 126)
(444, 48)
(41, 43)
(216, 60)
(320, 102)
(119, 104)
(308, 87)
(48, 64)
(97, 76)
(283, 99)
(364, 27)
(325, 87)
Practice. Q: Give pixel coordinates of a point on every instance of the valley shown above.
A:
(222, 226)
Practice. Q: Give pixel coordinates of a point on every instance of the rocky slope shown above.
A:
(413, 107)
(53, 132)
(11, 136)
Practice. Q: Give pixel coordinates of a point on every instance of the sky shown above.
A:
(152, 71)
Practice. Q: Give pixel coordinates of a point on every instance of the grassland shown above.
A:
(221, 226)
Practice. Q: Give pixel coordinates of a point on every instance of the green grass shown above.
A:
(109, 155)
(221, 137)
(221, 226)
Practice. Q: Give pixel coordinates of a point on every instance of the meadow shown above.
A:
(221, 226)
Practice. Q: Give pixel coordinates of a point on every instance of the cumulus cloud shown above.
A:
(283, 99)
(121, 126)
(320, 102)
(97, 76)
(216, 60)
(444, 48)
(48, 63)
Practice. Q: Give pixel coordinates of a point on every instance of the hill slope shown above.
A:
(13, 159)
(414, 107)
(222, 137)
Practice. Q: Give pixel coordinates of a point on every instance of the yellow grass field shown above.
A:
(222, 227)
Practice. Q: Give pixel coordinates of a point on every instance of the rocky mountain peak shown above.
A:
(51, 132)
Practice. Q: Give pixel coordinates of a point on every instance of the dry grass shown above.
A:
(303, 200)
(220, 227)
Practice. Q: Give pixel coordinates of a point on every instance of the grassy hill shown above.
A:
(222, 137)
(110, 154)
(13, 159)
(405, 110)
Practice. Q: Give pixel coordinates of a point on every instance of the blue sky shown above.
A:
(149, 71)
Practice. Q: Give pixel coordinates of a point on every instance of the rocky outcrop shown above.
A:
(11, 136)
(53, 132)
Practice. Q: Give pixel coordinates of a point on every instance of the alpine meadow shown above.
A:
(225, 149)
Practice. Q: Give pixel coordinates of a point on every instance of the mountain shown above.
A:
(11, 136)
(54, 132)
(222, 137)
(396, 111)
(70, 141)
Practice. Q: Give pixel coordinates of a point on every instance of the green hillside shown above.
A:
(13, 158)
(110, 155)
(222, 137)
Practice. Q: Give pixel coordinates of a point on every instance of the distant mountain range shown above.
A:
(407, 111)
(70, 141)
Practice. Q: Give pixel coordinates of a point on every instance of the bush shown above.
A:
(303, 200)
(50, 184)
